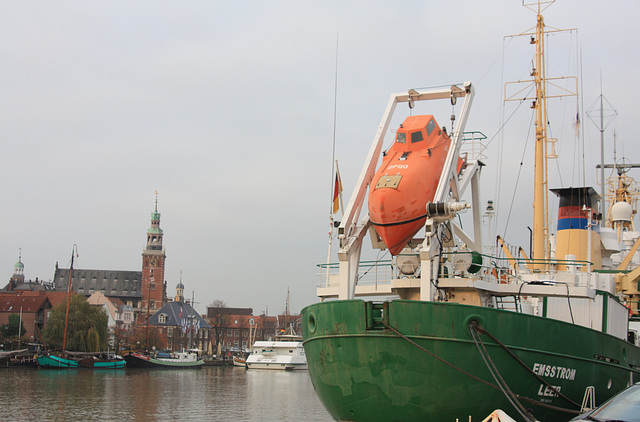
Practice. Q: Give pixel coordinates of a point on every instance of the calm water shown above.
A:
(210, 393)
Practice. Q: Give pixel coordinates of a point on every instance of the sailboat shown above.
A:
(77, 359)
(471, 332)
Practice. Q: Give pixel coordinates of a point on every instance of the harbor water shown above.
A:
(206, 394)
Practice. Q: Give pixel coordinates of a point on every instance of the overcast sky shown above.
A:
(226, 109)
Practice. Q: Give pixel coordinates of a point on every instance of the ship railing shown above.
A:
(473, 146)
(502, 270)
(491, 269)
(369, 273)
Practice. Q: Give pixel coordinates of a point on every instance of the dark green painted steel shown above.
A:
(362, 371)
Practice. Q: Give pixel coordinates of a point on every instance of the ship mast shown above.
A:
(540, 232)
(540, 199)
(66, 317)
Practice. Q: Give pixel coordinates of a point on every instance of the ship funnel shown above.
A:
(578, 231)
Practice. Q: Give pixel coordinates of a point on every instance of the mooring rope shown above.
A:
(487, 383)
(495, 373)
(475, 327)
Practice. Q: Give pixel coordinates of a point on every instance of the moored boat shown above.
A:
(80, 360)
(18, 358)
(283, 352)
(52, 361)
(69, 359)
(469, 332)
(240, 361)
(178, 360)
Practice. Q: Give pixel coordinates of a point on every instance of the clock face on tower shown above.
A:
(153, 262)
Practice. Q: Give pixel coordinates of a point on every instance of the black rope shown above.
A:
(487, 383)
(399, 334)
(524, 365)
(399, 223)
(497, 376)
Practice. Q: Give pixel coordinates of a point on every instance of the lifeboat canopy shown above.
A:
(407, 180)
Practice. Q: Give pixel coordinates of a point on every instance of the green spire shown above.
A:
(155, 215)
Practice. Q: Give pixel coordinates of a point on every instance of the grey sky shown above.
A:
(226, 108)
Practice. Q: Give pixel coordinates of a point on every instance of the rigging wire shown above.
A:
(515, 187)
(335, 113)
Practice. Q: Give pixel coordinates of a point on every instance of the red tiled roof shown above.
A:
(57, 298)
(29, 304)
(117, 302)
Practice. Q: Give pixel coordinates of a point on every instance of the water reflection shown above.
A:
(211, 393)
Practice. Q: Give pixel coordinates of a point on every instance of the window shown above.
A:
(229, 332)
(416, 137)
(236, 333)
(170, 332)
(162, 319)
(401, 138)
(431, 126)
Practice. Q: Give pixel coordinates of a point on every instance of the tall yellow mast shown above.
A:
(541, 250)
(540, 229)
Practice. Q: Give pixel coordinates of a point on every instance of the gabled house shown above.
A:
(183, 327)
(120, 314)
(34, 309)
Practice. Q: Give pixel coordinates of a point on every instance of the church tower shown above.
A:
(180, 290)
(153, 259)
(18, 273)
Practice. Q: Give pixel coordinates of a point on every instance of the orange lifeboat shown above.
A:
(407, 180)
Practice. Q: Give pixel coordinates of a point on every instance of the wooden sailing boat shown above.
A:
(77, 359)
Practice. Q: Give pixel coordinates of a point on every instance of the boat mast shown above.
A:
(540, 232)
(540, 199)
(66, 318)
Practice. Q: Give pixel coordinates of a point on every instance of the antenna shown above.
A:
(609, 114)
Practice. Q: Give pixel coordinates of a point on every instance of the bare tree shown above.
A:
(217, 314)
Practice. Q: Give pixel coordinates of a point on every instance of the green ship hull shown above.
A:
(412, 360)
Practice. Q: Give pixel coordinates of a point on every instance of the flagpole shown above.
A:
(333, 187)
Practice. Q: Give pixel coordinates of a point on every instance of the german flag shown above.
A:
(337, 189)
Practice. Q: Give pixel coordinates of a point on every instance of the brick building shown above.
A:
(236, 329)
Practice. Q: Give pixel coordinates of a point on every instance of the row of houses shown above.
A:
(176, 326)
(137, 302)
